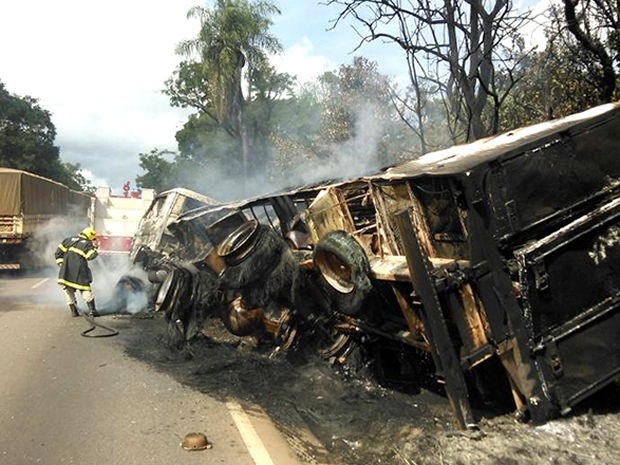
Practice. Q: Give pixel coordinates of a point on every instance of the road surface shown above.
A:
(68, 399)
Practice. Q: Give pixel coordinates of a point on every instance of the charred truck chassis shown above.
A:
(504, 252)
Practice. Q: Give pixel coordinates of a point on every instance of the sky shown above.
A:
(99, 68)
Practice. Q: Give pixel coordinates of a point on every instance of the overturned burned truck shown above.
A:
(153, 239)
(500, 259)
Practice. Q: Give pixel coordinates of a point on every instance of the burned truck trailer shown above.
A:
(499, 259)
(511, 248)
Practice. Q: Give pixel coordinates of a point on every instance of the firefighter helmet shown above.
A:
(89, 233)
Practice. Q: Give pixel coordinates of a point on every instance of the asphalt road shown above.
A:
(67, 399)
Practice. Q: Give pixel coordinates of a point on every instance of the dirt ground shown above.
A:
(359, 421)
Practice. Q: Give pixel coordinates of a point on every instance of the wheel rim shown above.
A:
(335, 271)
(239, 244)
(163, 291)
(338, 345)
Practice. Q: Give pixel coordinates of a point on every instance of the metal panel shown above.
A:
(572, 270)
(582, 357)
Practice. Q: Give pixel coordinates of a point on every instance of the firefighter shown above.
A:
(72, 256)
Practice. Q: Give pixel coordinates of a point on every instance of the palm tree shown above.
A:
(232, 45)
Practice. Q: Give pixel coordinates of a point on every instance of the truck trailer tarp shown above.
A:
(29, 194)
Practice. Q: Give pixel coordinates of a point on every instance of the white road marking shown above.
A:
(40, 282)
(250, 437)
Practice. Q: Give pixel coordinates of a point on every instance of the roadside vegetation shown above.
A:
(472, 73)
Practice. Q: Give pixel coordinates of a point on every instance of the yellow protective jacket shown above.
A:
(72, 256)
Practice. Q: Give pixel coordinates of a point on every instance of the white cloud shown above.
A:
(303, 61)
(99, 68)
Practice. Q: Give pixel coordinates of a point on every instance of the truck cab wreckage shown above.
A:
(499, 260)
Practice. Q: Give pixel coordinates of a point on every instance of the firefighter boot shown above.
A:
(74, 310)
(92, 311)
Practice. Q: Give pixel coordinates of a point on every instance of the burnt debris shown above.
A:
(492, 268)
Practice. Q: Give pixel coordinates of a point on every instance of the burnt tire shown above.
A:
(181, 295)
(276, 284)
(335, 347)
(240, 243)
(173, 291)
(246, 267)
(178, 306)
(129, 296)
(343, 265)
(165, 291)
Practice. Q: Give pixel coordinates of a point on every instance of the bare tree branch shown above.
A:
(467, 45)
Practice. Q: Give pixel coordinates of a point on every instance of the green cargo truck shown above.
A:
(35, 211)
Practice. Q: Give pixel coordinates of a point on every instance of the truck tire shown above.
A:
(157, 276)
(179, 301)
(344, 266)
(240, 243)
(164, 293)
(172, 289)
(250, 253)
(334, 348)
(275, 284)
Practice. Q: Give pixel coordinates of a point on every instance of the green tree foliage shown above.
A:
(346, 120)
(74, 178)
(567, 77)
(230, 52)
(27, 141)
(594, 27)
(554, 86)
(28, 134)
(363, 97)
(343, 124)
(471, 76)
(356, 102)
(160, 174)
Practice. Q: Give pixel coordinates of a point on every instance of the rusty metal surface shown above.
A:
(498, 258)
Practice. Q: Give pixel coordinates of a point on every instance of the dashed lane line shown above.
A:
(43, 281)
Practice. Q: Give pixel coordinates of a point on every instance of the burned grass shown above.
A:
(356, 419)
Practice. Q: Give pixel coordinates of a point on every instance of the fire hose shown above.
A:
(94, 325)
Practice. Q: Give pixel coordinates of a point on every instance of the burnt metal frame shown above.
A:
(447, 362)
(506, 319)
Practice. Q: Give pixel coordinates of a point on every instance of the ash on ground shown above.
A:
(359, 421)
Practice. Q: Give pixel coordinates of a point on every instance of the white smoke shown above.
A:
(355, 157)
(352, 158)
(47, 237)
(111, 296)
